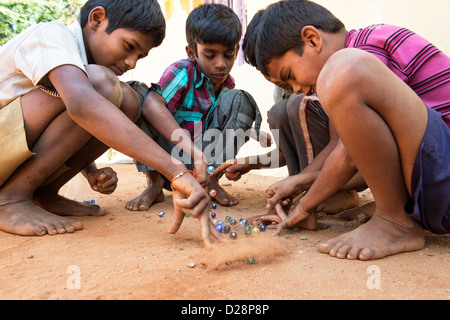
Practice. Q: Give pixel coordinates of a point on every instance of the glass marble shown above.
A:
(226, 229)
(262, 227)
(228, 219)
(233, 235)
(214, 206)
(251, 259)
(212, 192)
(211, 169)
(255, 229)
(220, 222)
(219, 227)
(161, 214)
(213, 215)
(233, 222)
(243, 223)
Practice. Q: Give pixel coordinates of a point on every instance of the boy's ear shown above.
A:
(97, 17)
(312, 37)
(190, 53)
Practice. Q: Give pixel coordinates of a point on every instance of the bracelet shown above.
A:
(179, 175)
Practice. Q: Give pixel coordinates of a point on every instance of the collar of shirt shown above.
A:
(77, 32)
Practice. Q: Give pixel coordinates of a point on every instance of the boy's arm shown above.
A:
(106, 122)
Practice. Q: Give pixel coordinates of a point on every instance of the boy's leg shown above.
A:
(381, 122)
(55, 138)
(47, 196)
(153, 192)
(235, 113)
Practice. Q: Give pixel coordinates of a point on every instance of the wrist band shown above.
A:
(179, 175)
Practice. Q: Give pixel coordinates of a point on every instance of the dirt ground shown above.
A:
(130, 255)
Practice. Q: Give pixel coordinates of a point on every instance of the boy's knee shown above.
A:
(106, 83)
(277, 115)
(131, 106)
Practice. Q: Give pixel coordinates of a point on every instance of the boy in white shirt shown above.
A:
(62, 106)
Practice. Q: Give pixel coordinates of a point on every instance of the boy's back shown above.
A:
(416, 61)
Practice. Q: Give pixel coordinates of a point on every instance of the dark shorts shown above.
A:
(430, 202)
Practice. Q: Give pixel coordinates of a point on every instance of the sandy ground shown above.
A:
(129, 255)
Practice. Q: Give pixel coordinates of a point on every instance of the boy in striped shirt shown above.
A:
(389, 99)
(194, 106)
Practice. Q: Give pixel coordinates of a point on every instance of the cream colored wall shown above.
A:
(429, 19)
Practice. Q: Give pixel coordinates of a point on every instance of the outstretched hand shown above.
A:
(189, 198)
(233, 168)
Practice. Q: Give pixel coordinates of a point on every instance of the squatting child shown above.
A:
(197, 95)
(305, 137)
(387, 91)
(62, 106)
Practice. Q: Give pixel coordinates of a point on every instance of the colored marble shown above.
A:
(226, 229)
(228, 219)
(211, 169)
(243, 223)
(161, 214)
(255, 229)
(212, 192)
(233, 222)
(213, 215)
(262, 227)
(251, 259)
(233, 235)
(247, 230)
(219, 227)
(214, 206)
(220, 222)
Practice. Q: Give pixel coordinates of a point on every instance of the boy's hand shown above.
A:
(298, 218)
(282, 191)
(103, 180)
(191, 199)
(233, 169)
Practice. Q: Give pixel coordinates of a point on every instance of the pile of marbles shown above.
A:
(229, 223)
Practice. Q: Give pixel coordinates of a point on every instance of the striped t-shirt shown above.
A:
(190, 95)
(422, 66)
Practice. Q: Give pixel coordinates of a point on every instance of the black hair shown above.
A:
(251, 35)
(281, 26)
(138, 15)
(213, 23)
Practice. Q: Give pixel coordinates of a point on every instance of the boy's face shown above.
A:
(300, 72)
(120, 50)
(215, 61)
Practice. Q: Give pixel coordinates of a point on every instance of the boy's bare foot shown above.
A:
(376, 239)
(61, 206)
(222, 197)
(24, 218)
(152, 194)
(340, 201)
(145, 200)
(365, 211)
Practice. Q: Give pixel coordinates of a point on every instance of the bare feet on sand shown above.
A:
(361, 213)
(153, 193)
(376, 239)
(25, 218)
(342, 200)
(222, 197)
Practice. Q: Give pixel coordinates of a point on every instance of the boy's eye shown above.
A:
(129, 46)
(209, 56)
